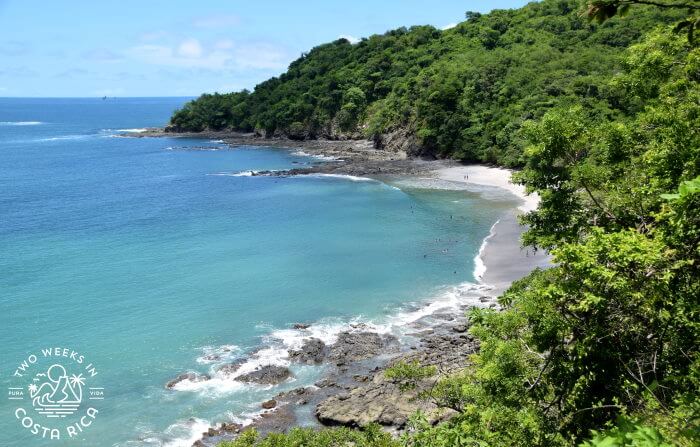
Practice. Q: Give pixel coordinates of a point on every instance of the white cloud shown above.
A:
(190, 48)
(260, 56)
(222, 54)
(448, 26)
(216, 21)
(349, 38)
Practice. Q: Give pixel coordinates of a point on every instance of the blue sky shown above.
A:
(183, 48)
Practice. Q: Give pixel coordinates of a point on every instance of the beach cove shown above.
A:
(354, 390)
(163, 257)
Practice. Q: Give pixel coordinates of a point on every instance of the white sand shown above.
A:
(484, 175)
(501, 259)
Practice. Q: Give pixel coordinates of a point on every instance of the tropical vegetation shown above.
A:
(603, 348)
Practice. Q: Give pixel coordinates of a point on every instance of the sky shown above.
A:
(74, 48)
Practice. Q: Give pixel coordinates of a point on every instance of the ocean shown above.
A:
(151, 257)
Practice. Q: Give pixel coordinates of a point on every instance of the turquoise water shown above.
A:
(148, 254)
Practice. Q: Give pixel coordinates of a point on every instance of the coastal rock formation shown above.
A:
(312, 352)
(353, 346)
(378, 399)
(381, 401)
(266, 375)
(188, 376)
(229, 368)
(269, 404)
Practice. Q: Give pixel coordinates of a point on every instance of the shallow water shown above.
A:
(148, 254)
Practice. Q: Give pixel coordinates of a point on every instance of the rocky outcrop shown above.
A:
(381, 401)
(266, 375)
(354, 346)
(269, 404)
(230, 368)
(399, 140)
(378, 399)
(189, 377)
(312, 352)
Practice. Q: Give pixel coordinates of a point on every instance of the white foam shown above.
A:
(479, 266)
(214, 354)
(65, 137)
(20, 123)
(235, 174)
(220, 384)
(137, 130)
(184, 434)
(352, 178)
(316, 156)
(449, 299)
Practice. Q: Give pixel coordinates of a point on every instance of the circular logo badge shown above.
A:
(56, 393)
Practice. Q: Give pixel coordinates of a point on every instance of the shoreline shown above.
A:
(354, 391)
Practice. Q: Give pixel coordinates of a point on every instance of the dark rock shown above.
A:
(354, 346)
(230, 368)
(269, 404)
(300, 326)
(484, 299)
(189, 376)
(198, 443)
(231, 427)
(312, 352)
(267, 375)
(325, 383)
(460, 328)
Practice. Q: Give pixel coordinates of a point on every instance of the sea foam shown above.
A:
(316, 156)
(479, 266)
(20, 123)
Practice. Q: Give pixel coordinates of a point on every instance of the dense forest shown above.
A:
(463, 92)
(603, 348)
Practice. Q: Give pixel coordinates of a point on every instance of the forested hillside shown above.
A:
(603, 348)
(462, 92)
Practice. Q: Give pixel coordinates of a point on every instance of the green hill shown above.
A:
(462, 92)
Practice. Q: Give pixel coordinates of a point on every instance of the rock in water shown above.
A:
(267, 375)
(312, 352)
(188, 376)
(269, 404)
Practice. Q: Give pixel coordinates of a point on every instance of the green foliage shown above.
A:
(628, 434)
(408, 374)
(464, 92)
(612, 331)
(602, 349)
(602, 10)
(370, 436)
(685, 189)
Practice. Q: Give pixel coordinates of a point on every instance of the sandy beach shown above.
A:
(503, 258)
